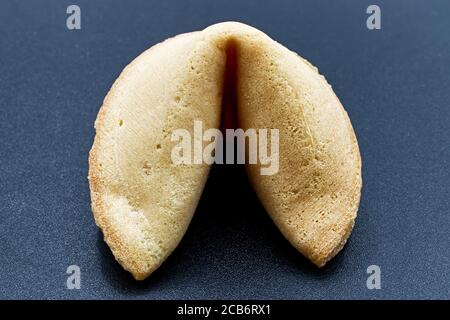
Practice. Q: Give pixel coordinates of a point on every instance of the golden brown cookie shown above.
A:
(143, 202)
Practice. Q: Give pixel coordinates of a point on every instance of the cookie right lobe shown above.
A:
(314, 196)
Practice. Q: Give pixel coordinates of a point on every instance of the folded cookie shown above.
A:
(143, 201)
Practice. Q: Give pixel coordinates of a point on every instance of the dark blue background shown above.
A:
(394, 83)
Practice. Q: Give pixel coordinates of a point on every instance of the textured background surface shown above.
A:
(394, 83)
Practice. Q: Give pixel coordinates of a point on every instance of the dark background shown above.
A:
(394, 83)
